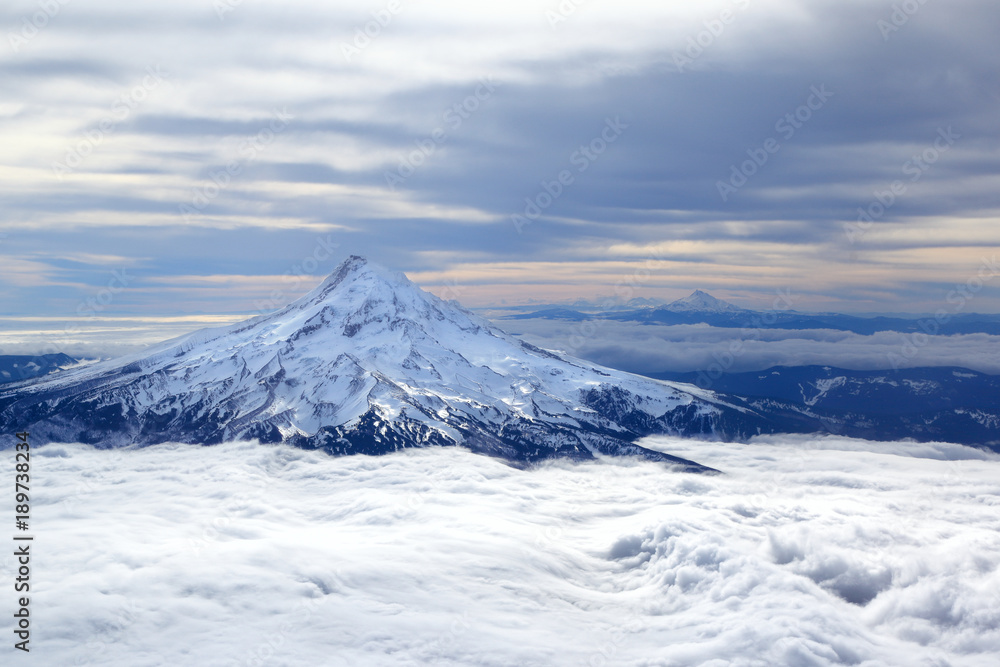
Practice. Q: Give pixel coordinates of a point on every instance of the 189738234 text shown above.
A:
(22, 542)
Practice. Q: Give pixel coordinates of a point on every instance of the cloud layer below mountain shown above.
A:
(642, 348)
(805, 552)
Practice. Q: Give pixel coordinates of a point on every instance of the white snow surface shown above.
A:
(268, 555)
(367, 337)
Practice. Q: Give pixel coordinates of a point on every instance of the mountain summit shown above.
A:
(367, 362)
(701, 302)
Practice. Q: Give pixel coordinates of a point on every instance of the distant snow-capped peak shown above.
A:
(702, 302)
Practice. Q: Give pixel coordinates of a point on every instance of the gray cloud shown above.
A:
(355, 120)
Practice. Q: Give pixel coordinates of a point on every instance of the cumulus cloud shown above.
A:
(818, 552)
(640, 348)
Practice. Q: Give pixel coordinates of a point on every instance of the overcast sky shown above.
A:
(181, 158)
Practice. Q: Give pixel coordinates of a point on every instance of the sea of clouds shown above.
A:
(653, 348)
(805, 551)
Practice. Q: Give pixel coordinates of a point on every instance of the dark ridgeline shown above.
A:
(15, 367)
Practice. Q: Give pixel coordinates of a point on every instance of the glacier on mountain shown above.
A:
(367, 362)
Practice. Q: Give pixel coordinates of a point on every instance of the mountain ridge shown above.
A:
(934, 403)
(700, 302)
(367, 362)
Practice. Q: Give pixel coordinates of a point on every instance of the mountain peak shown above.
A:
(352, 270)
(702, 302)
(360, 296)
(367, 363)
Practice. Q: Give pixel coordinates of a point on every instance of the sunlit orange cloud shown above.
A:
(814, 276)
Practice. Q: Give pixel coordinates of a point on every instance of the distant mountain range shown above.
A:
(700, 302)
(944, 403)
(24, 367)
(637, 302)
(702, 308)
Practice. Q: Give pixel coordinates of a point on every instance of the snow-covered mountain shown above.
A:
(368, 362)
(701, 302)
(643, 302)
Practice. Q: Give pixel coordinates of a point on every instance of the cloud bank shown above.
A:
(640, 348)
(805, 552)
